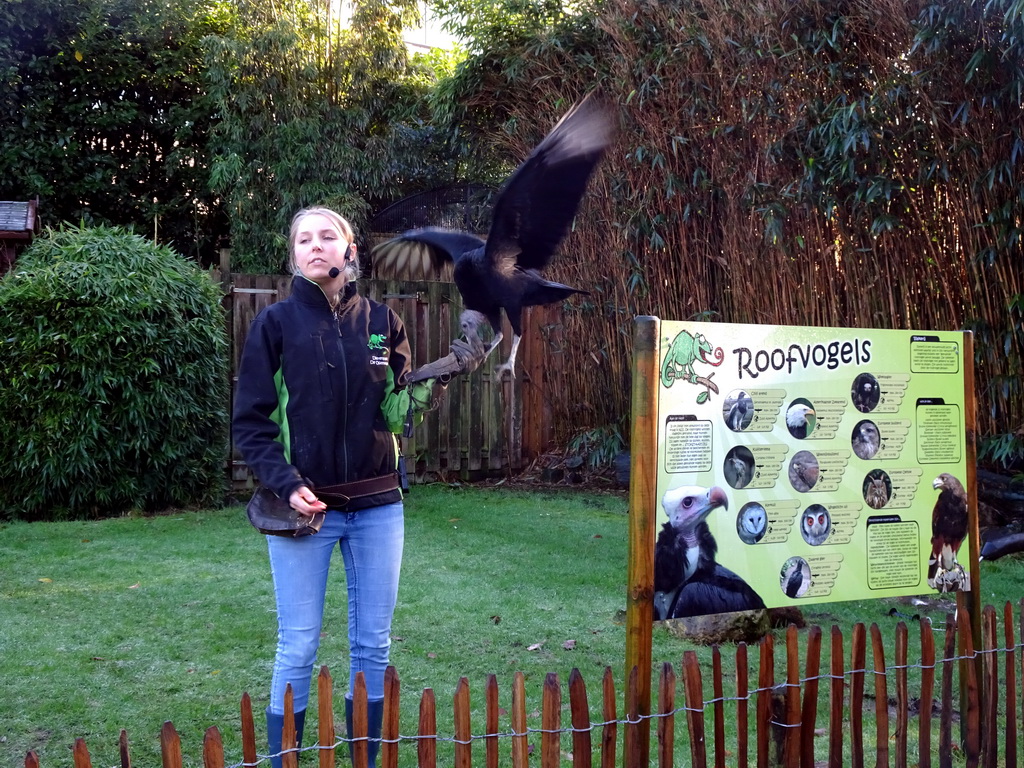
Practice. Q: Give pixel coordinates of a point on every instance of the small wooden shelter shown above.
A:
(19, 223)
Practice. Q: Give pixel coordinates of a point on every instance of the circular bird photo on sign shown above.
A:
(803, 471)
(738, 410)
(738, 467)
(865, 392)
(815, 525)
(752, 523)
(865, 439)
(800, 418)
(877, 488)
(795, 577)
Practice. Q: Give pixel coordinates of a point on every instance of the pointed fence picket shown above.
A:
(774, 724)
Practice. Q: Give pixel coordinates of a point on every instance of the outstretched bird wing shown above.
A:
(536, 207)
(422, 254)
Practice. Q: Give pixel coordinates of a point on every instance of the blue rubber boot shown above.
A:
(275, 731)
(375, 722)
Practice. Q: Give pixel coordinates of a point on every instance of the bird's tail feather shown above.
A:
(546, 292)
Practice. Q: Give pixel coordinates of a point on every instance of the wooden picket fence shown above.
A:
(868, 708)
(482, 425)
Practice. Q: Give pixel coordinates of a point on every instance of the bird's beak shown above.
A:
(936, 482)
(717, 498)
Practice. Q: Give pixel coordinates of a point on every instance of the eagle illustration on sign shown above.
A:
(683, 352)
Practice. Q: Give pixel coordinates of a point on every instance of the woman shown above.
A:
(319, 400)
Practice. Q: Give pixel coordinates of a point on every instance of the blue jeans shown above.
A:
(371, 543)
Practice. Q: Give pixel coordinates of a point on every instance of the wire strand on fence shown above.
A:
(751, 694)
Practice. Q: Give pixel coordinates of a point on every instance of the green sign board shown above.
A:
(805, 465)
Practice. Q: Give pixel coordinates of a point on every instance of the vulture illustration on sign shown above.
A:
(532, 215)
(687, 579)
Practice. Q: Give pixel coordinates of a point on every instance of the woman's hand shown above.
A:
(305, 502)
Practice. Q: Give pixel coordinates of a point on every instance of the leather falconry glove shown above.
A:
(465, 357)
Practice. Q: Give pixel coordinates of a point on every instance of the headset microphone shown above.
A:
(334, 271)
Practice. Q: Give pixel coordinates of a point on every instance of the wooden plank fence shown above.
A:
(482, 426)
(865, 707)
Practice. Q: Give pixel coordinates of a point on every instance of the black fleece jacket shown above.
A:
(321, 392)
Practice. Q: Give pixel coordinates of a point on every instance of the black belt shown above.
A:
(342, 493)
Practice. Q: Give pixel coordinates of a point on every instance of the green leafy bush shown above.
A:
(113, 379)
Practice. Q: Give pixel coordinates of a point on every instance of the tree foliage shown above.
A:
(105, 116)
(802, 163)
(113, 379)
(312, 113)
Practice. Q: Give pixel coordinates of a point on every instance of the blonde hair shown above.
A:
(351, 270)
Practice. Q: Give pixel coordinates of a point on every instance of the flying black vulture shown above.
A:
(532, 216)
(687, 580)
(949, 528)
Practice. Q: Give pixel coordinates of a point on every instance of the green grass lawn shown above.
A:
(129, 622)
